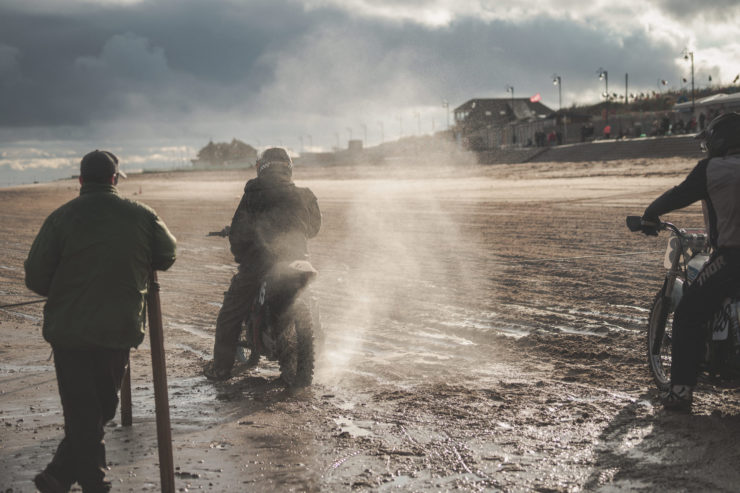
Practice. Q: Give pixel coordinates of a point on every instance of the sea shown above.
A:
(26, 162)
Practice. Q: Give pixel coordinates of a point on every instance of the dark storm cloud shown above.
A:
(172, 60)
(723, 10)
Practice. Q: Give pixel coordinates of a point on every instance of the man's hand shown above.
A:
(649, 225)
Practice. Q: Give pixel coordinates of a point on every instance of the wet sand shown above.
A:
(485, 332)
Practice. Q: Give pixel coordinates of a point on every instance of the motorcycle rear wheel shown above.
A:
(659, 342)
(288, 357)
(305, 345)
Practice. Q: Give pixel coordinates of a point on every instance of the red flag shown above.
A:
(536, 98)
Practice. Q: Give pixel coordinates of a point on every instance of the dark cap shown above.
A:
(100, 164)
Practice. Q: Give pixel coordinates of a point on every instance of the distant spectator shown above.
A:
(702, 120)
(692, 125)
(665, 125)
(680, 127)
(607, 131)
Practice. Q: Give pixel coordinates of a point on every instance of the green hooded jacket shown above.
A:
(92, 258)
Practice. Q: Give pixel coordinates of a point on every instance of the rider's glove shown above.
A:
(649, 225)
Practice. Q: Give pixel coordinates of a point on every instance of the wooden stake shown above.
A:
(126, 414)
(161, 399)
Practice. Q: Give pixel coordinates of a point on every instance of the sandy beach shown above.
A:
(485, 331)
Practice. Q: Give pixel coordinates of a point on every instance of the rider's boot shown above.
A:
(678, 398)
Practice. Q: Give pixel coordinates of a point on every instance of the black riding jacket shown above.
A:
(716, 182)
(273, 221)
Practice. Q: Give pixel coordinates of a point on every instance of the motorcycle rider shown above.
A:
(716, 182)
(272, 223)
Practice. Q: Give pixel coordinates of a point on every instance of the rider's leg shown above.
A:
(235, 308)
(700, 300)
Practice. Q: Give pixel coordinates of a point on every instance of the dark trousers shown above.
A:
(717, 280)
(89, 381)
(237, 303)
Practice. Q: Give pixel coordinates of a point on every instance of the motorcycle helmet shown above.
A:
(274, 159)
(721, 135)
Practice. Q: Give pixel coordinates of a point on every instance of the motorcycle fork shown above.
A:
(665, 303)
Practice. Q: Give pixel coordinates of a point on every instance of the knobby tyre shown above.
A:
(288, 354)
(659, 342)
(305, 345)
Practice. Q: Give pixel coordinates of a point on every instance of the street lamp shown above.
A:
(604, 75)
(689, 55)
(557, 81)
(510, 88)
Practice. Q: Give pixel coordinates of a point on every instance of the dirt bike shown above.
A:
(687, 252)
(280, 326)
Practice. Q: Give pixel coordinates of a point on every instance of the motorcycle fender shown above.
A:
(676, 294)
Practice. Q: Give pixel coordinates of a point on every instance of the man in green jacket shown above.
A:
(92, 259)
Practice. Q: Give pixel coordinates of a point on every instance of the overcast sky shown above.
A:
(320, 71)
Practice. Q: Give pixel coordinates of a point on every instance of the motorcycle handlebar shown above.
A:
(634, 223)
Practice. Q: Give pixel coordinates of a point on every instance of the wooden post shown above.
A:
(161, 399)
(126, 414)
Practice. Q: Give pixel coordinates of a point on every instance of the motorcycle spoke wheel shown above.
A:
(660, 332)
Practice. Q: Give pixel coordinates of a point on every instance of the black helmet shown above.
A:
(721, 135)
(275, 158)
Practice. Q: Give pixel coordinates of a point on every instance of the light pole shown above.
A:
(557, 81)
(626, 88)
(604, 75)
(689, 55)
(510, 89)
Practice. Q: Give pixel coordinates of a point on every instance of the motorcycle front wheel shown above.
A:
(659, 342)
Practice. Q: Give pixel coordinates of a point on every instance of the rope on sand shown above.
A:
(24, 303)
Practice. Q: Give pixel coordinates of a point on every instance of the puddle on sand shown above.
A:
(359, 429)
(201, 354)
(191, 329)
(444, 337)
